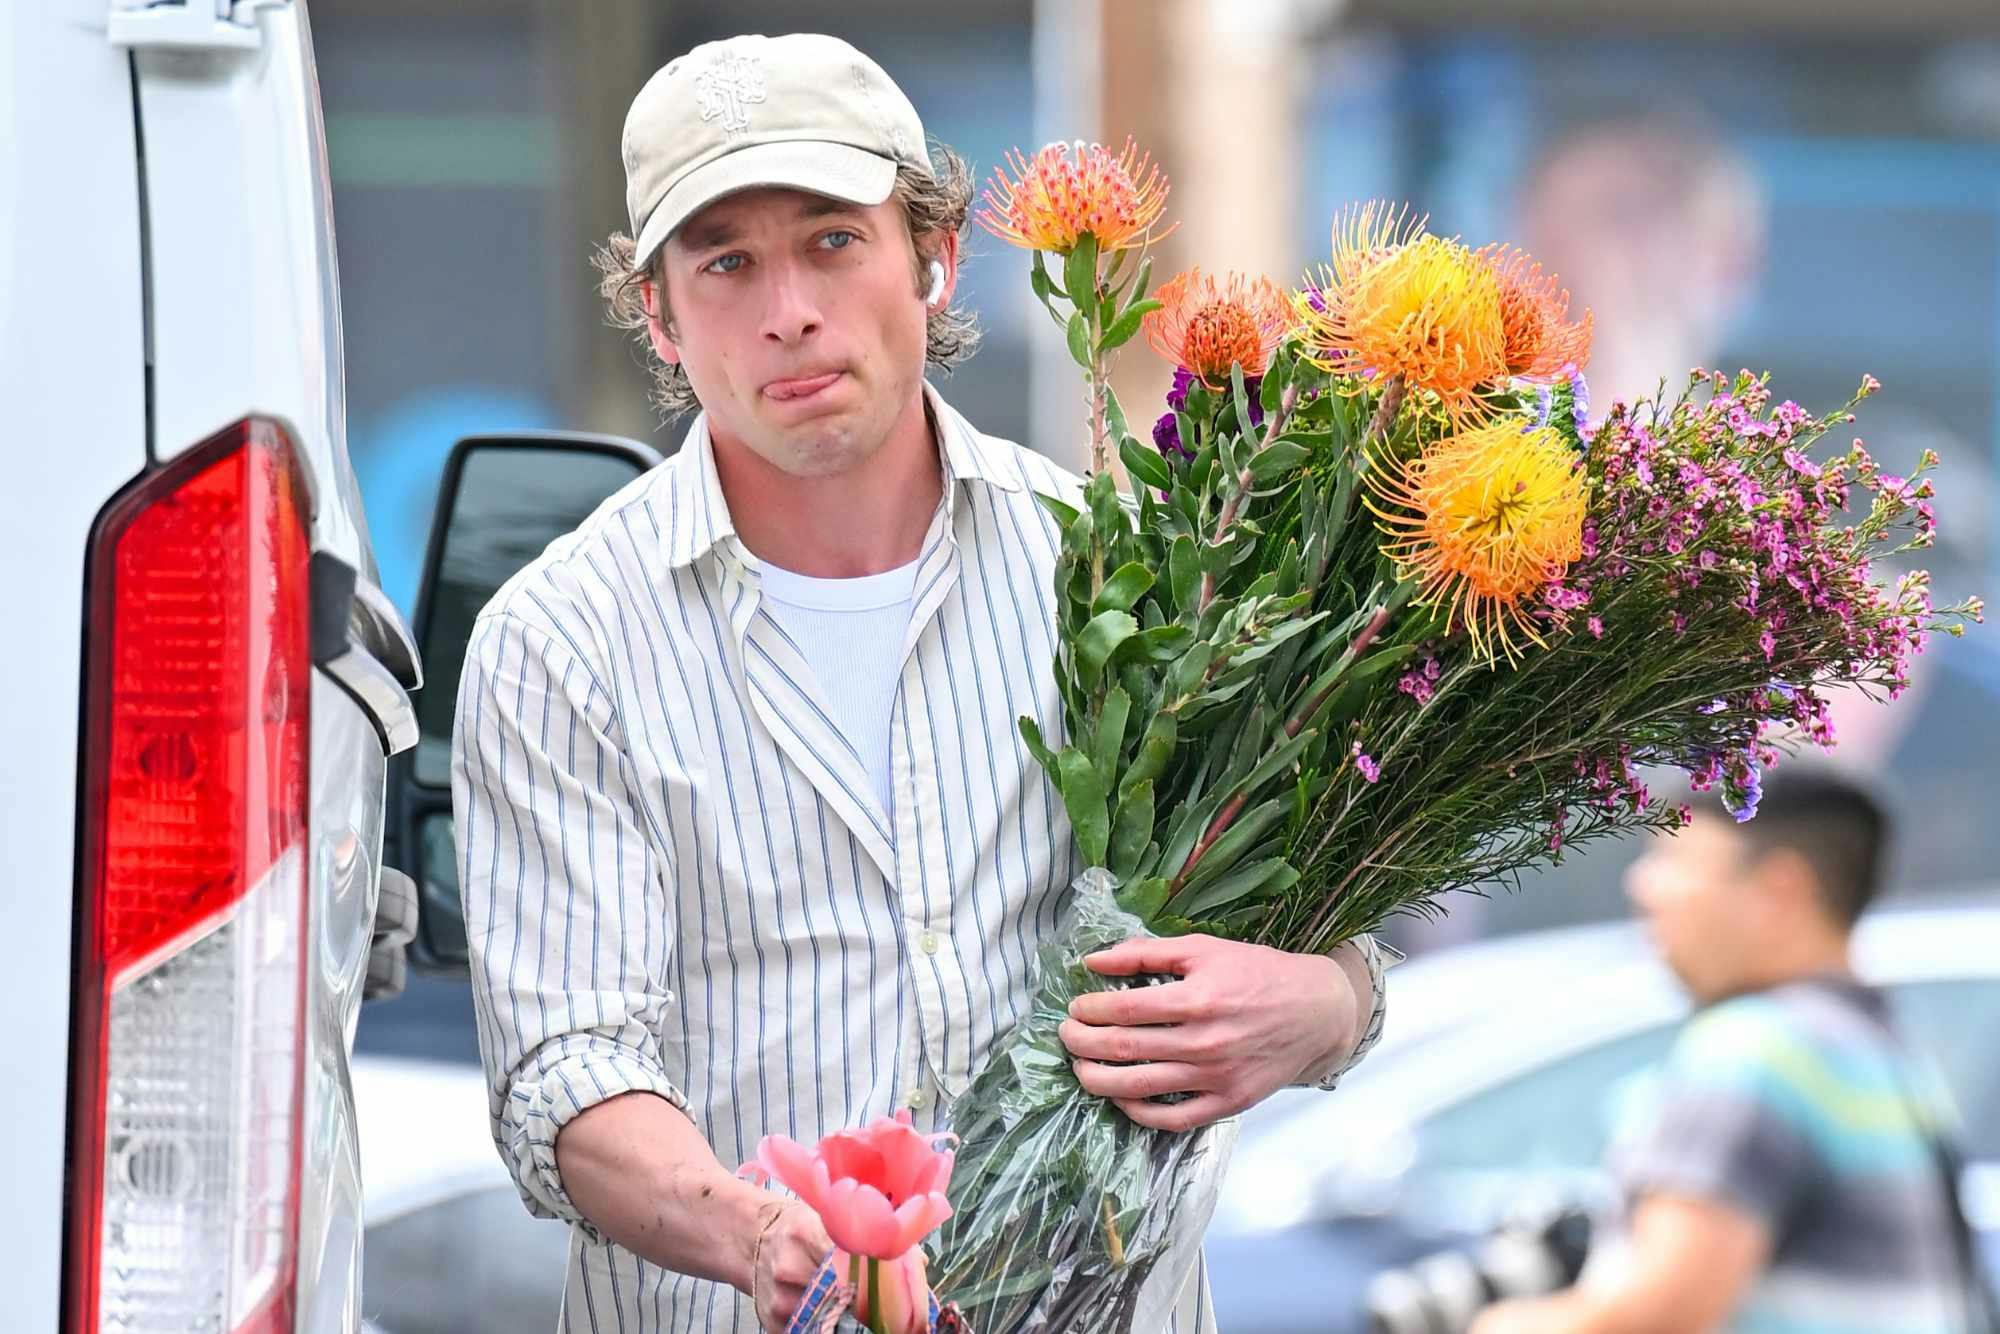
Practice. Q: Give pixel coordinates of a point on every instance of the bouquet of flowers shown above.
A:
(1388, 615)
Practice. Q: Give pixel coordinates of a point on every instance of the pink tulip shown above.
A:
(879, 1189)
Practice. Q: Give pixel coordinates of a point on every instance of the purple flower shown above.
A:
(1369, 769)
(1579, 400)
(1742, 789)
(1545, 401)
(1177, 396)
(1167, 436)
(1596, 627)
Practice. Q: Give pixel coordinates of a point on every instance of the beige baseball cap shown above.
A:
(805, 111)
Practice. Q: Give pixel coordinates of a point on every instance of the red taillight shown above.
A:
(190, 960)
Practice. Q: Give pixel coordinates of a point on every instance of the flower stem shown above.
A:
(1112, 1240)
(1230, 507)
(1384, 419)
(1354, 652)
(876, 1321)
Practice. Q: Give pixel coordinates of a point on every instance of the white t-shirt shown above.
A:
(851, 633)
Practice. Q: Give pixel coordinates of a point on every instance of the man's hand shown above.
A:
(792, 1244)
(1242, 1022)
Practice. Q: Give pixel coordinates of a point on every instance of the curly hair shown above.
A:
(932, 204)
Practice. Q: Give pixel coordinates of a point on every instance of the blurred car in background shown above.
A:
(1500, 1078)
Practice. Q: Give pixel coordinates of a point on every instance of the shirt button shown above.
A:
(930, 942)
(917, 1098)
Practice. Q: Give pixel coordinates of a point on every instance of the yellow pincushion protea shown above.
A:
(1068, 191)
(1398, 302)
(1484, 518)
(1206, 325)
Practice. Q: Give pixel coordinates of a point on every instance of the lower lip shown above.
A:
(799, 391)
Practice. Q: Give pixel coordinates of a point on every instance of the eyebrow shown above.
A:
(710, 236)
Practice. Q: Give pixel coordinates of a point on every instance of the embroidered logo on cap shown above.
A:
(728, 87)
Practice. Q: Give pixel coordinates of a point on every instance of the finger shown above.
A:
(1138, 1081)
(1145, 954)
(1168, 1003)
(1118, 1043)
(1177, 1116)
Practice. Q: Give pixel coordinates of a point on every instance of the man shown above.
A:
(1785, 1175)
(749, 842)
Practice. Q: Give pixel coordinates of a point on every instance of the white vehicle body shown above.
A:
(167, 270)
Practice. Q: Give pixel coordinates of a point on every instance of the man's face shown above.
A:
(798, 321)
(1704, 905)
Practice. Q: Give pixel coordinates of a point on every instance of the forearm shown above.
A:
(637, 1168)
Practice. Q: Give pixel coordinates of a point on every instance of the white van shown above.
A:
(203, 687)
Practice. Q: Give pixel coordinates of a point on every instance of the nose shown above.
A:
(791, 307)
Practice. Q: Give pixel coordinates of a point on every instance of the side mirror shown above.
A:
(504, 498)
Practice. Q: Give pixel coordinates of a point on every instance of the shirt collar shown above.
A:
(698, 516)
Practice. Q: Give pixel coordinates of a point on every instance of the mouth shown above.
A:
(802, 388)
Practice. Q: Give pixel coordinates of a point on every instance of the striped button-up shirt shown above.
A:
(677, 875)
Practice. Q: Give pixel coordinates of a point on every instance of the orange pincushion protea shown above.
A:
(1068, 191)
(1534, 311)
(1399, 302)
(1205, 325)
(1485, 518)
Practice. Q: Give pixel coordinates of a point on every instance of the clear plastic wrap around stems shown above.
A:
(1068, 1215)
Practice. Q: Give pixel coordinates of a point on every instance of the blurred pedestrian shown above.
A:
(1792, 1171)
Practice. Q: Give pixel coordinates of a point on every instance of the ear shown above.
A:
(945, 252)
(663, 343)
(1790, 876)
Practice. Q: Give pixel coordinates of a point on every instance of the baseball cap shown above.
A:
(805, 111)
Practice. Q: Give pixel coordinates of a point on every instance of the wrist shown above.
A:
(763, 1222)
(1346, 980)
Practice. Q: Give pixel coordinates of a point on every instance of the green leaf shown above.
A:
(1080, 276)
(1143, 898)
(1132, 830)
(1079, 340)
(1114, 415)
(1126, 586)
(1267, 878)
(1241, 399)
(1161, 644)
(1110, 741)
(1184, 572)
(1098, 640)
(1083, 796)
(1032, 734)
(1065, 515)
(1155, 749)
(1038, 279)
(1223, 855)
(1122, 329)
(1275, 380)
(1188, 671)
(1276, 459)
(1145, 464)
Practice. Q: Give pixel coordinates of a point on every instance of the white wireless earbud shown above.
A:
(937, 283)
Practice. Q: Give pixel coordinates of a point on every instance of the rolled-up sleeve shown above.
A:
(566, 917)
(1380, 957)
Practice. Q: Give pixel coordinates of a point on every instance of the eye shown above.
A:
(729, 263)
(838, 240)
